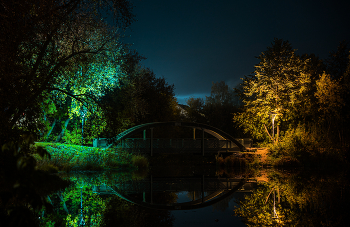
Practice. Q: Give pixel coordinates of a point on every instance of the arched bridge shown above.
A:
(227, 141)
(211, 191)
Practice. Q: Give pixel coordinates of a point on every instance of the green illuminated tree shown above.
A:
(81, 91)
(45, 43)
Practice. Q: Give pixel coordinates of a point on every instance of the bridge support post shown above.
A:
(144, 134)
(151, 142)
(202, 188)
(151, 189)
(203, 141)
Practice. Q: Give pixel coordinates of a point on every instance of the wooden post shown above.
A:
(144, 134)
(194, 133)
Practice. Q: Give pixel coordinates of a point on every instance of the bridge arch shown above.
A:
(208, 200)
(217, 133)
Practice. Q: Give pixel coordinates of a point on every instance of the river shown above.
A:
(187, 196)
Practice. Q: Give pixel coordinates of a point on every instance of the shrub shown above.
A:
(139, 161)
(304, 144)
(72, 137)
(73, 157)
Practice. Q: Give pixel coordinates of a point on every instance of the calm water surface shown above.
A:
(205, 198)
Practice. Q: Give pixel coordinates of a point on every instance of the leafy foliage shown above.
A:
(329, 96)
(308, 146)
(280, 83)
(93, 206)
(217, 109)
(301, 199)
(142, 98)
(73, 137)
(22, 193)
(58, 48)
(73, 157)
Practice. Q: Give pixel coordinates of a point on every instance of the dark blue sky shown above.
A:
(192, 43)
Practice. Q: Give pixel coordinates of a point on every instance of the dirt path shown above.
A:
(263, 152)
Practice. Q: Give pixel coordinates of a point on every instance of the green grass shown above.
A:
(66, 157)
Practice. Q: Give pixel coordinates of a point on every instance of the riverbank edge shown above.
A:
(68, 157)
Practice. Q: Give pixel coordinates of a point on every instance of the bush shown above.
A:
(305, 145)
(73, 157)
(297, 143)
(72, 137)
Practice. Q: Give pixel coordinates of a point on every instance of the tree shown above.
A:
(338, 60)
(42, 43)
(221, 94)
(195, 110)
(157, 98)
(329, 96)
(278, 85)
(46, 42)
(141, 98)
(80, 94)
(220, 106)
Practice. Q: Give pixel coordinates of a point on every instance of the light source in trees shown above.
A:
(273, 116)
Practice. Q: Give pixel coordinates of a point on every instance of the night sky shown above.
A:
(192, 43)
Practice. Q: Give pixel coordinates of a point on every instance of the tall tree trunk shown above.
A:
(64, 202)
(60, 136)
(48, 134)
(268, 133)
(278, 133)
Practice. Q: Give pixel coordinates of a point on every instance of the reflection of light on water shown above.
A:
(183, 197)
(275, 215)
(188, 196)
(81, 222)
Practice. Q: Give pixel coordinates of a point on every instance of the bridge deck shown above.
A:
(180, 145)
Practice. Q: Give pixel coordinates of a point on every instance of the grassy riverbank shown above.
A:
(308, 148)
(66, 157)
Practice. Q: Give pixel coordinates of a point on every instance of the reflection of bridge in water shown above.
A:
(209, 190)
(221, 140)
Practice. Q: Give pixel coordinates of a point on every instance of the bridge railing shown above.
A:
(180, 144)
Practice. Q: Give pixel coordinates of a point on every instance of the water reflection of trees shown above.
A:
(68, 210)
(122, 213)
(306, 199)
